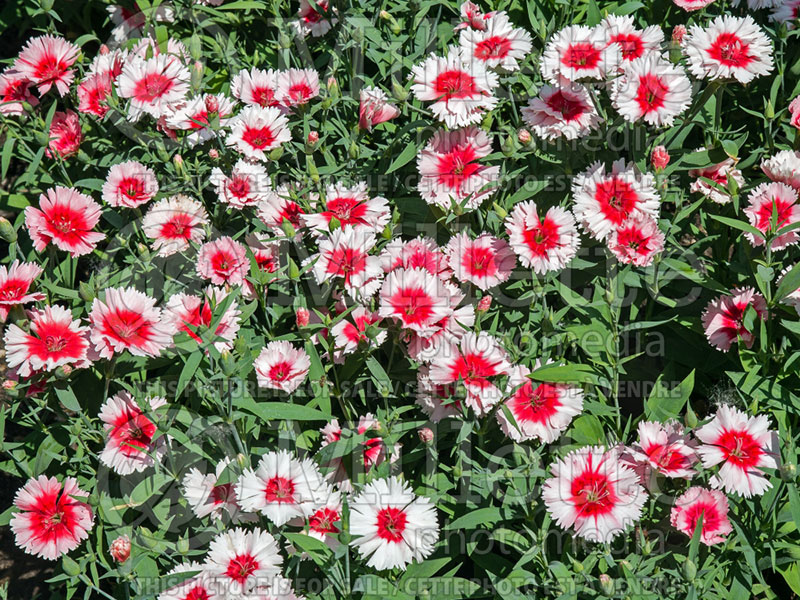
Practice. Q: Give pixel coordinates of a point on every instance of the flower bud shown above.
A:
(484, 303)
(213, 154)
(501, 212)
(524, 137)
(689, 570)
(606, 584)
(182, 545)
(384, 14)
(288, 228)
(302, 317)
(333, 87)
(64, 371)
(7, 231)
(9, 384)
(276, 153)
(294, 270)
(678, 32)
(788, 472)
(425, 435)
(313, 138)
(70, 567)
(212, 104)
(197, 75)
(399, 92)
(508, 146)
(228, 363)
(177, 160)
(120, 549)
(85, 291)
(659, 158)
(284, 41)
(104, 49)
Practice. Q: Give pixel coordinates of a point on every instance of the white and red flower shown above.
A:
(353, 331)
(133, 442)
(312, 18)
(637, 240)
(280, 207)
(634, 43)
(783, 167)
(540, 410)
(711, 505)
(578, 52)
(247, 185)
(729, 48)
(282, 487)
(720, 176)
(374, 108)
(128, 320)
(604, 200)
(768, 203)
(52, 518)
(498, 45)
(129, 184)
(542, 244)
(93, 92)
(45, 61)
(194, 315)
(188, 587)
(256, 86)
(202, 116)
(421, 252)
(391, 526)
(65, 135)
(66, 218)
(345, 255)
(472, 17)
(651, 89)
(723, 318)
(175, 222)
(223, 262)
(257, 130)
(485, 261)
(692, 5)
(15, 285)
(594, 493)
(240, 561)
(476, 361)
(14, 90)
(461, 89)
(207, 496)
(450, 171)
(743, 446)
(55, 339)
(297, 86)
(786, 12)
(438, 401)
(326, 520)
(564, 110)
(281, 366)
(416, 299)
(350, 206)
(153, 84)
(663, 449)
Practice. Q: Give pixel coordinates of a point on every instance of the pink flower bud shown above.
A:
(178, 160)
(302, 317)
(484, 303)
(212, 104)
(120, 549)
(213, 154)
(524, 136)
(659, 158)
(677, 33)
(9, 384)
(104, 49)
(313, 137)
(425, 435)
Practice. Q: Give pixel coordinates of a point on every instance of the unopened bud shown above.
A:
(213, 154)
(104, 49)
(294, 270)
(524, 137)
(484, 303)
(7, 231)
(197, 75)
(228, 363)
(276, 153)
(678, 32)
(384, 14)
(333, 87)
(177, 160)
(120, 549)
(288, 228)
(689, 570)
(86, 292)
(606, 584)
(788, 472)
(659, 158)
(302, 317)
(354, 151)
(501, 212)
(9, 384)
(182, 545)
(70, 567)
(64, 371)
(284, 41)
(313, 138)
(508, 146)
(212, 104)
(425, 435)
(398, 91)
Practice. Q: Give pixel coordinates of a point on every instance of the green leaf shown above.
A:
(664, 403)
(409, 152)
(481, 516)
(270, 411)
(188, 371)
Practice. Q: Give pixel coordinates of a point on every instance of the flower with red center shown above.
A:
(208, 496)
(634, 43)
(120, 549)
(564, 110)
(450, 171)
(148, 46)
(711, 505)
(201, 122)
(93, 92)
(692, 5)
(65, 135)
(416, 299)
(373, 451)
(651, 89)
(546, 244)
(297, 86)
(374, 108)
(391, 526)
(437, 401)
(540, 410)
(153, 85)
(352, 331)
(743, 446)
(460, 88)
(14, 90)
(448, 331)
(723, 318)
(594, 493)
(485, 261)
(345, 255)
(282, 487)
(180, 585)
(678, 33)
(133, 442)
(729, 48)
(257, 130)
(422, 252)
(128, 320)
(240, 561)
(663, 449)
(247, 185)
(266, 254)
(326, 520)
(472, 17)
(783, 167)
(45, 61)
(66, 218)
(256, 86)
(603, 200)
(659, 158)
(475, 362)
(129, 184)
(637, 240)
(55, 339)
(312, 18)
(498, 45)
(281, 207)
(223, 262)
(52, 519)
(173, 223)
(194, 315)
(579, 52)
(108, 62)
(719, 176)
(281, 366)
(787, 13)
(773, 203)
(350, 206)
(15, 285)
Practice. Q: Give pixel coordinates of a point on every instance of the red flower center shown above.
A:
(258, 137)
(391, 524)
(239, 186)
(593, 494)
(152, 86)
(740, 448)
(493, 47)
(280, 490)
(570, 108)
(455, 84)
(414, 304)
(323, 521)
(241, 567)
(617, 199)
(535, 404)
(582, 55)
(630, 43)
(542, 238)
(651, 93)
(731, 51)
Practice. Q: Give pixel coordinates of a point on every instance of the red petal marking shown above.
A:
(391, 524)
(280, 490)
(731, 51)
